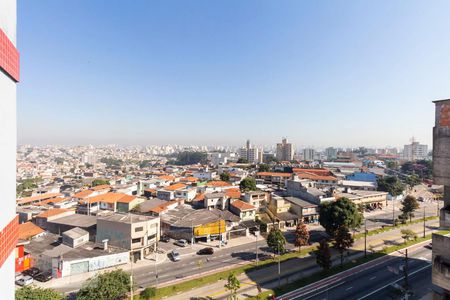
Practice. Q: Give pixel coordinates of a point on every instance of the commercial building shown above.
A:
(136, 233)
(285, 151)
(309, 154)
(331, 153)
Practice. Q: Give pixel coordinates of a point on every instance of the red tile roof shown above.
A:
(241, 205)
(176, 186)
(37, 198)
(233, 193)
(52, 212)
(218, 183)
(28, 230)
(274, 174)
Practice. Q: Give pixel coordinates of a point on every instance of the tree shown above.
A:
(410, 204)
(301, 235)
(391, 184)
(225, 176)
(276, 240)
(412, 181)
(233, 285)
(242, 161)
(408, 234)
(36, 293)
(188, 158)
(263, 168)
(97, 182)
(343, 240)
(342, 212)
(106, 286)
(148, 293)
(248, 184)
(323, 255)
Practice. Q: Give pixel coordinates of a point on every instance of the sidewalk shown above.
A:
(77, 280)
(298, 268)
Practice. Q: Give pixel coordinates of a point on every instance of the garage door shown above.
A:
(78, 268)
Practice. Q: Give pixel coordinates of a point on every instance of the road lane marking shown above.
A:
(372, 278)
(326, 290)
(349, 288)
(385, 286)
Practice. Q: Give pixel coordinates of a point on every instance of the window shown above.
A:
(137, 229)
(151, 237)
(134, 241)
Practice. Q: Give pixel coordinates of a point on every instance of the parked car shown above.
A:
(31, 271)
(25, 280)
(43, 277)
(429, 246)
(175, 255)
(181, 243)
(165, 239)
(206, 251)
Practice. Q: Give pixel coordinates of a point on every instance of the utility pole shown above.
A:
(365, 237)
(406, 271)
(256, 244)
(393, 213)
(424, 221)
(279, 267)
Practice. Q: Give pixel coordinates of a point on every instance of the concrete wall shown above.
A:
(441, 261)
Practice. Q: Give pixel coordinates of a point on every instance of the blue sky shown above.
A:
(343, 73)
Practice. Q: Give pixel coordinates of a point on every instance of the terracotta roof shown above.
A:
(83, 194)
(163, 207)
(274, 174)
(321, 172)
(311, 176)
(52, 212)
(106, 198)
(37, 198)
(218, 183)
(53, 200)
(101, 187)
(241, 205)
(233, 193)
(189, 179)
(199, 197)
(167, 177)
(126, 199)
(28, 230)
(174, 187)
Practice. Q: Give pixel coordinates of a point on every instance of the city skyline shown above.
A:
(129, 71)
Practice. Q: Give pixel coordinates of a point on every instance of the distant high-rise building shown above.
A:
(309, 154)
(9, 76)
(285, 151)
(251, 154)
(89, 158)
(415, 151)
(331, 153)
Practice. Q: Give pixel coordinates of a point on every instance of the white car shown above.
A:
(175, 255)
(181, 243)
(25, 280)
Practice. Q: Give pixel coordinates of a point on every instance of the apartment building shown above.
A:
(285, 151)
(249, 153)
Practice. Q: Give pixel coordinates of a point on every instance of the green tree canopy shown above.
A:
(188, 158)
(410, 204)
(408, 234)
(148, 293)
(106, 286)
(342, 212)
(248, 184)
(36, 293)
(99, 181)
(111, 162)
(412, 180)
(263, 168)
(225, 176)
(242, 161)
(343, 240)
(301, 235)
(276, 240)
(391, 184)
(323, 255)
(233, 284)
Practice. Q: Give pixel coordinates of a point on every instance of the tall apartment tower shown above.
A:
(309, 154)
(441, 174)
(415, 151)
(9, 76)
(285, 151)
(251, 154)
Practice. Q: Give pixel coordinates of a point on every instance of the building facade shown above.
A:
(249, 153)
(9, 76)
(309, 154)
(285, 151)
(415, 151)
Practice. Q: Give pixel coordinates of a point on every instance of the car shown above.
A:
(31, 271)
(43, 277)
(206, 251)
(25, 280)
(175, 255)
(429, 246)
(181, 243)
(165, 239)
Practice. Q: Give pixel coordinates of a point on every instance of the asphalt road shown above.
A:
(376, 282)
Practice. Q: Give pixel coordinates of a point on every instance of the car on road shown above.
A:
(175, 255)
(25, 280)
(165, 239)
(206, 251)
(43, 277)
(181, 243)
(429, 246)
(31, 271)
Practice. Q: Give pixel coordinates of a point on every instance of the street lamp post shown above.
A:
(393, 213)
(256, 244)
(424, 221)
(365, 237)
(279, 266)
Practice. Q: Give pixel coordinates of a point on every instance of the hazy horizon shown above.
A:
(320, 73)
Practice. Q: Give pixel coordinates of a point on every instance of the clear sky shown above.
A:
(342, 73)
